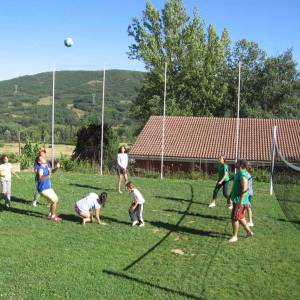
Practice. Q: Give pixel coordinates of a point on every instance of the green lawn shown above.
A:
(44, 260)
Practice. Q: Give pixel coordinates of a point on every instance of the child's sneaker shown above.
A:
(134, 223)
(211, 205)
(251, 224)
(230, 206)
(34, 203)
(142, 224)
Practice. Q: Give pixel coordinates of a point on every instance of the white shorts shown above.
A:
(50, 195)
(6, 186)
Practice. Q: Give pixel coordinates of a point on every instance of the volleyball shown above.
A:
(68, 42)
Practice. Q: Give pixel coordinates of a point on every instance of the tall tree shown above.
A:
(196, 61)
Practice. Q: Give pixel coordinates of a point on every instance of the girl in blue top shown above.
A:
(44, 188)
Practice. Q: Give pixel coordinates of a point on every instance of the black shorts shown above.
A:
(121, 171)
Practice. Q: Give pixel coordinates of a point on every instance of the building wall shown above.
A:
(171, 167)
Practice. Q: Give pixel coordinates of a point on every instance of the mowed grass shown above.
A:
(44, 260)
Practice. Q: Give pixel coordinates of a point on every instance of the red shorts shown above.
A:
(238, 212)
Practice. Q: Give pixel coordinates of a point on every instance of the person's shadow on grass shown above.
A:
(86, 186)
(217, 218)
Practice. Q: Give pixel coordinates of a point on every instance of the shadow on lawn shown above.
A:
(141, 281)
(180, 200)
(295, 222)
(171, 227)
(30, 213)
(176, 228)
(218, 218)
(20, 200)
(86, 186)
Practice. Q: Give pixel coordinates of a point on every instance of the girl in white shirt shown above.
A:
(5, 175)
(137, 207)
(92, 202)
(122, 164)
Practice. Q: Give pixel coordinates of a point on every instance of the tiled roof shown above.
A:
(209, 137)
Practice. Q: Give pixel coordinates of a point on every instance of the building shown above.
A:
(196, 143)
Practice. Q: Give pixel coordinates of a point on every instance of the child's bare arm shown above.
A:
(97, 215)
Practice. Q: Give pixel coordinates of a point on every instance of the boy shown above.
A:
(137, 206)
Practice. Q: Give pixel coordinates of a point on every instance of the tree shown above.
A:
(88, 145)
(197, 62)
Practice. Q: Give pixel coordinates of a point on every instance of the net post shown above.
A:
(273, 158)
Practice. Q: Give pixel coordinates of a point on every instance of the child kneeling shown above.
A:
(137, 206)
(92, 202)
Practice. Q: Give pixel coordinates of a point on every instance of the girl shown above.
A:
(5, 174)
(250, 191)
(41, 153)
(122, 163)
(92, 201)
(44, 188)
(223, 181)
(137, 206)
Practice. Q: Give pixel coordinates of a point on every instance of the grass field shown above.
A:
(45, 260)
(59, 149)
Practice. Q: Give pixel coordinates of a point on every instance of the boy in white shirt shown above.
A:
(137, 207)
(5, 174)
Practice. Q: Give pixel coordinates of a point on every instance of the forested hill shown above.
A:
(26, 102)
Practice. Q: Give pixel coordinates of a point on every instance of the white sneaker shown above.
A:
(134, 223)
(34, 203)
(250, 224)
(142, 224)
(230, 206)
(213, 204)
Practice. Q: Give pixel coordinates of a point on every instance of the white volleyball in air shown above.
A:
(68, 42)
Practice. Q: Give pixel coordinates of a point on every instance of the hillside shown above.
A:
(27, 100)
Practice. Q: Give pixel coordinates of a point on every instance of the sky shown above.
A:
(32, 31)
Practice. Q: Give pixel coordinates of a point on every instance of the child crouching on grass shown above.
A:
(92, 202)
(137, 206)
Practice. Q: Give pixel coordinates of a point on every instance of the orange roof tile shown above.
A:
(209, 137)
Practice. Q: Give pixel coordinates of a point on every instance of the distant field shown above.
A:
(181, 253)
(59, 149)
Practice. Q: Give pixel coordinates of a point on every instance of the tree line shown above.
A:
(202, 69)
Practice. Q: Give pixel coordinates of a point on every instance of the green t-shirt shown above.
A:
(236, 192)
(222, 169)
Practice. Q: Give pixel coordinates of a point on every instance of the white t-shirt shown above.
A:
(88, 203)
(122, 160)
(137, 196)
(6, 171)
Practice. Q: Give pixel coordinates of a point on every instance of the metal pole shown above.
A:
(102, 121)
(53, 100)
(273, 158)
(238, 117)
(163, 127)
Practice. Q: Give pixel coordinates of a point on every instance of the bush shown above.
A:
(28, 154)
(76, 165)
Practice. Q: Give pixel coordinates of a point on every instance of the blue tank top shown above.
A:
(46, 184)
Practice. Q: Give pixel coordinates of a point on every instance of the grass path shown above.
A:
(44, 260)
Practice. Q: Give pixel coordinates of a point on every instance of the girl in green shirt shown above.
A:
(223, 181)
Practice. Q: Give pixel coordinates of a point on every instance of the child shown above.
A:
(44, 188)
(92, 201)
(223, 182)
(137, 206)
(122, 164)
(5, 174)
(41, 153)
(250, 191)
